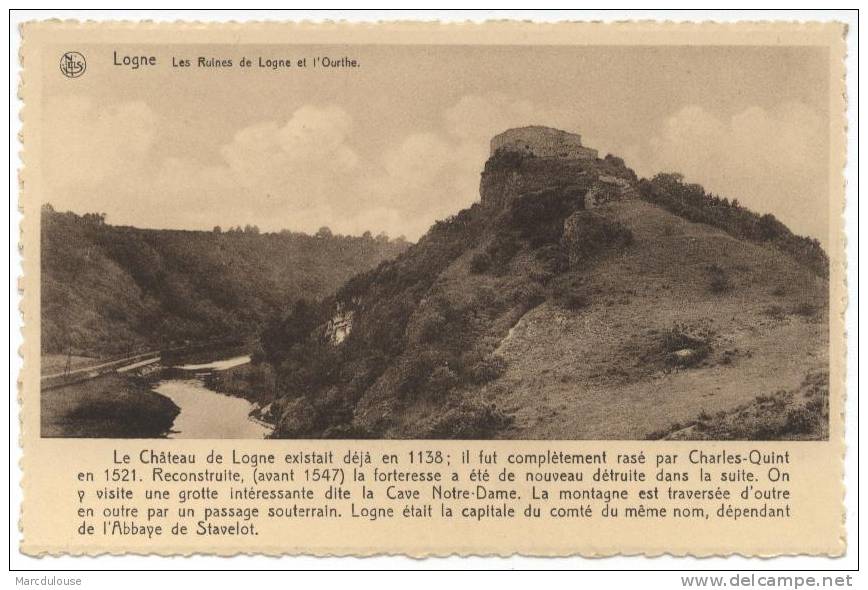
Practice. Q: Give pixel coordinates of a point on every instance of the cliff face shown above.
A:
(508, 175)
(562, 305)
(340, 325)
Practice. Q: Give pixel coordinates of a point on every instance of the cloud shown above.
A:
(433, 174)
(313, 169)
(771, 160)
(89, 146)
(294, 173)
(417, 159)
(300, 173)
(482, 116)
(271, 156)
(418, 181)
(295, 164)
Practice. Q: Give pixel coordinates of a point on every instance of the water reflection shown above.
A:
(208, 414)
(221, 365)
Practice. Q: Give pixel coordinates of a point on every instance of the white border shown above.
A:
(589, 576)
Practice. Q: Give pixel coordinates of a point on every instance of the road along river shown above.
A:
(206, 413)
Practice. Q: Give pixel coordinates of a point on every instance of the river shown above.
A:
(206, 413)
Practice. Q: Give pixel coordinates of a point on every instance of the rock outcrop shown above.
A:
(533, 159)
(340, 325)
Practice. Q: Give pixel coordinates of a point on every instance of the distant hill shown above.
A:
(109, 290)
(573, 301)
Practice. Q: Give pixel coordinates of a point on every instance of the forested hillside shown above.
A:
(109, 290)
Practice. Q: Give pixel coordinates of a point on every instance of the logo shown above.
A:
(72, 64)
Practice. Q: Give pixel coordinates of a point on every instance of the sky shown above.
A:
(400, 141)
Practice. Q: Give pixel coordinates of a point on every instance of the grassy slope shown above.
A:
(798, 414)
(598, 373)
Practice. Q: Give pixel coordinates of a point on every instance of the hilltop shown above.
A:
(574, 300)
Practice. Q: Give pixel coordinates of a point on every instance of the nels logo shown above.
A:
(72, 64)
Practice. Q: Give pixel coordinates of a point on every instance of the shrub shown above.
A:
(298, 417)
(441, 380)
(569, 293)
(501, 251)
(487, 369)
(573, 301)
(617, 166)
(719, 282)
(480, 262)
(799, 420)
(777, 400)
(775, 312)
(770, 416)
(585, 233)
(662, 433)
(349, 431)
(818, 405)
(770, 228)
(470, 420)
(432, 325)
(805, 309)
(413, 373)
(505, 160)
(681, 338)
(526, 296)
(554, 258)
(540, 216)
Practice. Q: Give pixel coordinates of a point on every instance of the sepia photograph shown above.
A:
(464, 242)
(354, 289)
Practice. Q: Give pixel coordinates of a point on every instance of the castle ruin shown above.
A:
(542, 142)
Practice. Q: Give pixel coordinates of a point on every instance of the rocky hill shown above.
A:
(109, 290)
(573, 301)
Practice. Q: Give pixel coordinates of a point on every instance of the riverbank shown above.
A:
(253, 382)
(209, 414)
(109, 406)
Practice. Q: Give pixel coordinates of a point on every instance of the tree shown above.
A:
(296, 328)
(94, 218)
(770, 228)
(383, 237)
(324, 232)
(217, 229)
(668, 178)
